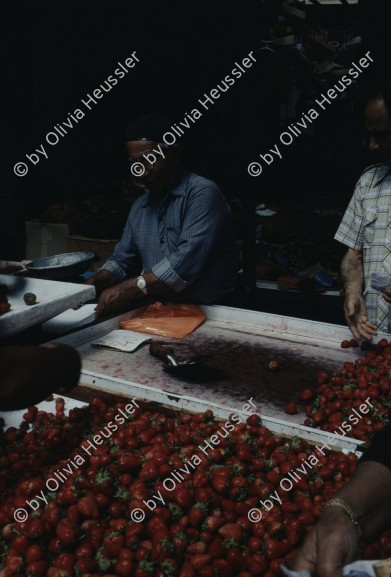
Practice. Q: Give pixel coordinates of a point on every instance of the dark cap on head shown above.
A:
(149, 127)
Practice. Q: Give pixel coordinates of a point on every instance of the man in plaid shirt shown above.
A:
(178, 240)
(366, 227)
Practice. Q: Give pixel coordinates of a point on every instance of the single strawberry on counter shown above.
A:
(4, 304)
(274, 365)
(291, 409)
(5, 307)
(30, 299)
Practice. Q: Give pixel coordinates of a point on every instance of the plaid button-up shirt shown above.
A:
(366, 227)
(185, 239)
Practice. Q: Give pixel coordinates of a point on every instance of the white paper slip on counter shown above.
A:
(121, 340)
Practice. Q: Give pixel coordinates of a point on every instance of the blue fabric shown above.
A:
(185, 240)
(88, 274)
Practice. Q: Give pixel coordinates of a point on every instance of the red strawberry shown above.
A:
(87, 506)
(231, 531)
(274, 365)
(183, 497)
(162, 546)
(200, 560)
(291, 409)
(66, 532)
(197, 514)
(113, 542)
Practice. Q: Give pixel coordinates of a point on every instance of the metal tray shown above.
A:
(139, 375)
(132, 390)
(161, 399)
(61, 265)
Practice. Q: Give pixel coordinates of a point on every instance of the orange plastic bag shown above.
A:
(175, 320)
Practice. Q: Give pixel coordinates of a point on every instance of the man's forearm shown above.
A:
(352, 273)
(368, 495)
(154, 286)
(105, 279)
(118, 298)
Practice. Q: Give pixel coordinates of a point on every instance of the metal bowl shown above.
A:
(61, 265)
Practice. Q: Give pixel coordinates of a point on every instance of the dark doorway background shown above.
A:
(53, 56)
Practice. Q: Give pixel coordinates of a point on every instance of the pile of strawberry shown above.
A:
(341, 391)
(86, 528)
(30, 450)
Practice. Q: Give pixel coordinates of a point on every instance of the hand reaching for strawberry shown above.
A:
(330, 545)
(363, 511)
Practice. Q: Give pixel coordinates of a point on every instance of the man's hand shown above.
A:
(332, 543)
(102, 280)
(117, 299)
(357, 318)
(354, 307)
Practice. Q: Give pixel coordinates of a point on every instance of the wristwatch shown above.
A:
(141, 284)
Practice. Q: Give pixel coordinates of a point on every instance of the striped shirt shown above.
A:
(185, 239)
(366, 227)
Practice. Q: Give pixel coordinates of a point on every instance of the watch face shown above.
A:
(141, 283)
